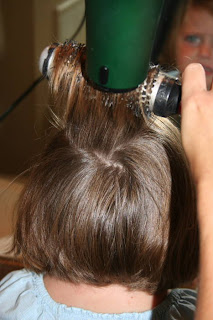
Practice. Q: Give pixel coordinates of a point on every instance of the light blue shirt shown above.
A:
(23, 296)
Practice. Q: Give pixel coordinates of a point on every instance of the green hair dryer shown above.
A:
(121, 39)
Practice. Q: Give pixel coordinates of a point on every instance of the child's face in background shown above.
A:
(195, 41)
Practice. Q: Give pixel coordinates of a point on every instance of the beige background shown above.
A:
(26, 28)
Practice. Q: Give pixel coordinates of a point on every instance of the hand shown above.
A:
(197, 123)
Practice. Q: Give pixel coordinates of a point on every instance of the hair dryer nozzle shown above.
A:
(120, 37)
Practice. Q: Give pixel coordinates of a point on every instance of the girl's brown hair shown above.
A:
(111, 199)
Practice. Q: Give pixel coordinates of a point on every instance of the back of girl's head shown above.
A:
(111, 199)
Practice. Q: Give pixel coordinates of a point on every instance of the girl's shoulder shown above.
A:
(16, 282)
(18, 296)
(23, 296)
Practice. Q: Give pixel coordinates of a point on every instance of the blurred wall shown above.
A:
(26, 28)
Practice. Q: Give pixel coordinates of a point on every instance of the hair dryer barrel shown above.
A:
(120, 37)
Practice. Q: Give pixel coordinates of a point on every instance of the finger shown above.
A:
(194, 80)
(211, 89)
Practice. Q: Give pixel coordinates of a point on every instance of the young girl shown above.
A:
(190, 38)
(107, 225)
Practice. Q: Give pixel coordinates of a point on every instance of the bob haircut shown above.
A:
(111, 200)
(167, 57)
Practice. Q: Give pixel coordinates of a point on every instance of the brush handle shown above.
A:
(166, 97)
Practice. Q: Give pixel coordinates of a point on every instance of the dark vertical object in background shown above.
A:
(168, 12)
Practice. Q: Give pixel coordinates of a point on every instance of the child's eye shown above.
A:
(193, 39)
